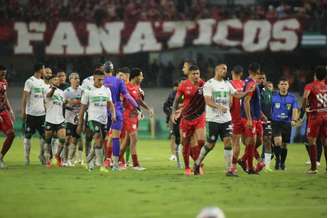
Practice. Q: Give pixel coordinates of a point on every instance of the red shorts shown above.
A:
(7, 123)
(255, 130)
(130, 124)
(188, 127)
(237, 127)
(317, 125)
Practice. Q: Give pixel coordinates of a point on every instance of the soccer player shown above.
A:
(284, 116)
(217, 94)
(118, 89)
(63, 85)
(237, 125)
(131, 114)
(55, 121)
(251, 118)
(192, 115)
(73, 96)
(174, 128)
(33, 108)
(99, 101)
(7, 116)
(315, 96)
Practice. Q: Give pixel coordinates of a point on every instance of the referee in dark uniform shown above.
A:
(284, 116)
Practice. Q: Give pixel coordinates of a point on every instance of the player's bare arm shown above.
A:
(12, 114)
(24, 102)
(81, 116)
(143, 104)
(111, 108)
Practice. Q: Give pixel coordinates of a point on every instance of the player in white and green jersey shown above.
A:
(217, 94)
(33, 108)
(98, 101)
(73, 95)
(55, 121)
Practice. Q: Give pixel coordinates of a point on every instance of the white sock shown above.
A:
(267, 159)
(79, 155)
(99, 156)
(71, 151)
(54, 146)
(42, 142)
(115, 161)
(46, 150)
(227, 158)
(27, 148)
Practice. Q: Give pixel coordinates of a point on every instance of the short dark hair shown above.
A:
(3, 68)
(193, 68)
(238, 69)
(60, 71)
(283, 79)
(321, 72)
(189, 61)
(254, 67)
(269, 82)
(98, 72)
(135, 72)
(38, 66)
(124, 70)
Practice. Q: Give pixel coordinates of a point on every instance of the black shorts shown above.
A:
(267, 128)
(54, 127)
(32, 124)
(282, 129)
(97, 127)
(71, 130)
(214, 130)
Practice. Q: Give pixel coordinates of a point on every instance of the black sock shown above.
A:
(283, 155)
(319, 150)
(307, 146)
(277, 152)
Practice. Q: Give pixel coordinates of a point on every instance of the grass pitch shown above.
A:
(160, 191)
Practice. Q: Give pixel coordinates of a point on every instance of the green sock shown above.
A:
(127, 154)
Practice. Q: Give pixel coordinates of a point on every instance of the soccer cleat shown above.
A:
(310, 171)
(2, 165)
(242, 164)
(277, 165)
(122, 166)
(49, 164)
(173, 158)
(188, 172)
(231, 174)
(252, 172)
(103, 169)
(196, 169)
(282, 166)
(259, 166)
(106, 163)
(268, 170)
(138, 168)
(233, 169)
(59, 161)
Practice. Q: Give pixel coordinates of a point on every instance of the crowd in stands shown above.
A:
(100, 11)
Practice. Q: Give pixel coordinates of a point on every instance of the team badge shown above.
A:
(213, 137)
(289, 106)
(277, 105)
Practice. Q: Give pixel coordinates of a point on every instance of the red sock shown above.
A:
(109, 152)
(256, 154)
(7, 143)
(195, 152)
(244, 157)
(186, 153)
(234, 159)
(135, 160)
(250, 157)
(313, 157)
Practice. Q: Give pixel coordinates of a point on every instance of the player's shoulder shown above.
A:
(291, 95)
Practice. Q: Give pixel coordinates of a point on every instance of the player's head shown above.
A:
(74, 79)
(39, 69)
(221, 71)
(123, 73)
(269, 85)
(194, 73)
(261, 78)
(186, 65)
(321, 73)
(98, 77)
(61, 76)
(136, 75)
(254, 69)
(237, 72)
(54, 80)
(47, 73)
(108, 67)
(283, 85)
(3, 72)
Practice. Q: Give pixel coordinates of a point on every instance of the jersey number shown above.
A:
(322, 98)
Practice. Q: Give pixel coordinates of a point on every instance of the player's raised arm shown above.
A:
(295, 112)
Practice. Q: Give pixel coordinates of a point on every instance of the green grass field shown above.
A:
(160, 191)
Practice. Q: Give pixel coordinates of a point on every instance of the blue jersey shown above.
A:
(282, 107)
(255, 102)
(117, 88)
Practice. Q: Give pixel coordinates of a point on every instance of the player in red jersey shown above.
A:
(131, 115)
(7, 116)
(315, 98)
(237, 125)
(192, 115)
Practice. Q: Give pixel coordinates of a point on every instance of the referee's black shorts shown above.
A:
(282, 129)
